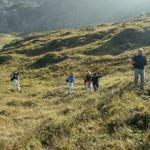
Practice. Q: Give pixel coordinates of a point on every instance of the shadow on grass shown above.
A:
(4, 59)
(47, 60)
(128, 39)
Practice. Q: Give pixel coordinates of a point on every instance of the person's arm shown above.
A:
(133, 60)
(67, 79)
(145, 61)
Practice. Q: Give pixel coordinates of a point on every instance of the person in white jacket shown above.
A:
(14, 77)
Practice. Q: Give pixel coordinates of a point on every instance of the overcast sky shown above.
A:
(75, 13)
(98, 11)
(111, 10)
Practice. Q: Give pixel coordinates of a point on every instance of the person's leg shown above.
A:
(18, 85)
(86, 86)
(69, 88)
(94, 86)
(142, 76)
(91, 86)
(136, 76)
(97, 86)
(13, 85)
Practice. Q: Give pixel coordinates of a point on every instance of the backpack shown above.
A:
(70, 79)
(13, 76)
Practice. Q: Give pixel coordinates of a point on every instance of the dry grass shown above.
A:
(43, 116)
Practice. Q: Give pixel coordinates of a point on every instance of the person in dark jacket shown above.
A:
(95, 81)
(139, 63)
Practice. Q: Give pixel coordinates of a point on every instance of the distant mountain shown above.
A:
(27, 16)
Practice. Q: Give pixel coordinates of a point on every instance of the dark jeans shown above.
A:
(95, 86)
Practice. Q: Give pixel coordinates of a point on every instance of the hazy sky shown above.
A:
(83, 12)
(74, 13)
(99, 11)
(111, 9)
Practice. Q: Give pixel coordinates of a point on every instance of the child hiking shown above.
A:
(88, 82)
(14, 78)
(70, 82)
(95, 81)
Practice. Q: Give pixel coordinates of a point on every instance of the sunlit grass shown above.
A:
(44, 116)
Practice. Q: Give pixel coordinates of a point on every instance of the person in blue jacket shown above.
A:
(139, 62)
(70, 82)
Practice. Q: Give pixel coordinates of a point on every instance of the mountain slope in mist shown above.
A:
(27, 16)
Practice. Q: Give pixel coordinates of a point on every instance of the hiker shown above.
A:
(88, 82)
(139, 62)
(95, 81)
(14, 78)
(70, 82)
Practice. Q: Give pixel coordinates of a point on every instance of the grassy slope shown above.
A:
(43, 116)
(7, 38)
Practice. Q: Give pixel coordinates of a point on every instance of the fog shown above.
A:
(100, 11)
(53, 14)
